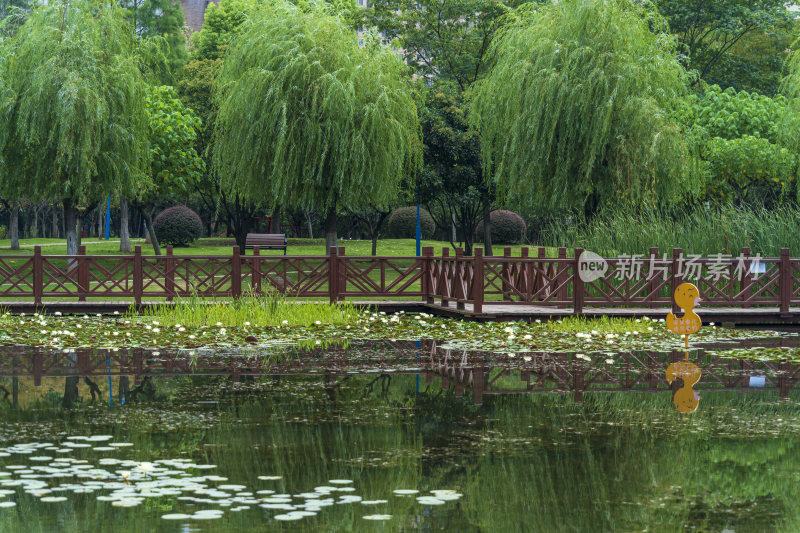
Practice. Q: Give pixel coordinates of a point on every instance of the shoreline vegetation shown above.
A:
(259, 322)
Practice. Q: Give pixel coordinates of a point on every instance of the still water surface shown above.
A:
(438, 440)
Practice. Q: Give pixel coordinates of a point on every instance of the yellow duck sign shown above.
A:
(686, 400)
(687, 297)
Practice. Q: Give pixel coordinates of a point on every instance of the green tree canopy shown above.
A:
(578, 110)
(738, 139)
(174, 164)
(221, 22)
(309, 119)
(451, 182)
(710, 31)
(446, 40)
(77, 127)
(161, 21)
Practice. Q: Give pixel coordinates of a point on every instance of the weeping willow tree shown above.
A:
(789, 124)
(579, 108)
(76, 128)
(309, 119)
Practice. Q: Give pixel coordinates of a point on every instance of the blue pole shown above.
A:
(110, 395)
(108, 219)
(419, 234)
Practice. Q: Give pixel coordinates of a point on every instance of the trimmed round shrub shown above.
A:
(507, 227)
(403, 223)
(177, 226)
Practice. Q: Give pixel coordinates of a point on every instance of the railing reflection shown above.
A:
(479, 374)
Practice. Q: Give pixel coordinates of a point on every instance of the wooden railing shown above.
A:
(467, 282)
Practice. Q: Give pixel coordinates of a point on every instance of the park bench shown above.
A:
(266, 241)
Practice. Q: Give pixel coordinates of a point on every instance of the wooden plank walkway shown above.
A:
(491, 311)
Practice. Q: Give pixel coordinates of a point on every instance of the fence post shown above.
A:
(525, 276)
(236, 273)
(341, 282)
(785, 281)
(427, 276)
(746, 281)
(444, 291)
(675, 277)
(38, 276)
(256, 270)
(577, 284)
(477, 282)
(138, 283)
(169, 274)
(651, 284)
(562, 270)
(506, 273)
(333, 274)
(83, 274)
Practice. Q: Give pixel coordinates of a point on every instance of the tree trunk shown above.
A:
(275, 226)
(310, 225)
(487, 229)
(124, 234)
(13, 225)
(54, 227)
(330, 230)
(71, 227)
(374, 244)
(70, 391)
(148, 216)
(35, 225)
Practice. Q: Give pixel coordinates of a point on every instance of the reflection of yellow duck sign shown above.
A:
(685, 398)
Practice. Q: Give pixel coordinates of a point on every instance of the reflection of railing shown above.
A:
(373, 357)
(479, 373)
(562, 373)
(468, 282)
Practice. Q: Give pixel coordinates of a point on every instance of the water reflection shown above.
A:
(475, 373)
(504, 434)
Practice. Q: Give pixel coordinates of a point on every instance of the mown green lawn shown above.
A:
(223, 246)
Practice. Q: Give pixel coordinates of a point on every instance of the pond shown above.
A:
(387, 436)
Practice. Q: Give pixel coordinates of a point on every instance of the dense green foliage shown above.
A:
(174, 163)
(738, 135)
(159, 24)
(402, 223)
(77, 127)
(712, 32)
(448, 41)
(507, 227)
(178, 226)
(452, 184)
(578, 110)
(309, 119)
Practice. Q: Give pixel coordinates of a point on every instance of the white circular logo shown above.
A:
(591, 266)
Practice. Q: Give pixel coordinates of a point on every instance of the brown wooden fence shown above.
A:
(467, 282)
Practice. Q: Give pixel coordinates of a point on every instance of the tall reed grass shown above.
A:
(259, 310)
(702, 230)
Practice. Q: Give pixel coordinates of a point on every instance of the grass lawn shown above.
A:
(223, 246)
